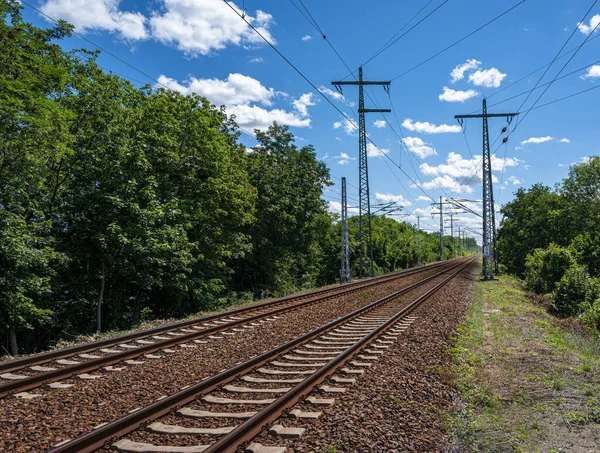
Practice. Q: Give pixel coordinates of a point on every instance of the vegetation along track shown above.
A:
(61, 364)
(304, 362)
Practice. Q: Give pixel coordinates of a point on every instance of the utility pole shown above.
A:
(419, 238)
(490, 253)
(364, 207)
(459, 243)
(345, 268)
(440, 205)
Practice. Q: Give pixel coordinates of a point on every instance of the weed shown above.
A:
(575, 418)
(331, 448)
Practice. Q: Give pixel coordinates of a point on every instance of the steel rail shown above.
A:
(59, 374)
(253, 426)
(95, 439)
(45, 357)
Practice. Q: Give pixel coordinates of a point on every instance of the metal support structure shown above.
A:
(490, 251)
(345, 267)
(364, 206)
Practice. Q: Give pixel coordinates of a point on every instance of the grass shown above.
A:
(527, 382)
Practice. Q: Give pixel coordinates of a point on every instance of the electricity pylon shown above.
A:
(364, 206)
(490, 249)
(345, 268)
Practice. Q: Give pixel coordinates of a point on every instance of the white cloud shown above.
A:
(237, 92)
(490, 78)
(255, 117)
(344, 159)
(587, 29)
(564, 140)
(429, 128)
(446, 182)
(458, 73)
(593, 72)
(379, 124)
(335, 95)
(374, 151)
(458, 171)
(514, 180)
(335, 207)
(98, 15)
(417, 146)
(423, 198)
(387, 197)
(306, 38)
(255, 60)
(236, 89)
(450, 95)
(303, 102)
(202, 27)
(349, 129)
(536, 140)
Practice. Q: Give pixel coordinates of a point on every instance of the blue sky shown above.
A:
(203, 46)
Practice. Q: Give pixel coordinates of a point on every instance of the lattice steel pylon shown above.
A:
(489, 219)
(364, 205)
(345, 267)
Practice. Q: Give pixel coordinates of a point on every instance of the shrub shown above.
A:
(576, 291)
(591, 316)
(545, 267)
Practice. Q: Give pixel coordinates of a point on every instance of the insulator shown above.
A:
(503, 130)
(505, 139)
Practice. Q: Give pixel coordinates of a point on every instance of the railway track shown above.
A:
(237, 403)
(48, 368)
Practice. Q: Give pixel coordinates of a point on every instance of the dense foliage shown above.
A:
(119, 204)
(551, 237)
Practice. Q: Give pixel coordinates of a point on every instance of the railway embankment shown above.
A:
(528, 380)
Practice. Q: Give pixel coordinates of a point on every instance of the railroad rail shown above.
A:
(310, 358)
(124, 349)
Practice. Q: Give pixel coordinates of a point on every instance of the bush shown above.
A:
(576, 291)
(591, 317)
(545, 267)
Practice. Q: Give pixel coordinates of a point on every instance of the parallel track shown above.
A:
(368, 323)
(104, 352)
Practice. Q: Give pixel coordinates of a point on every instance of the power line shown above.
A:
(555, 57)
(394, 41)
(460, 40)
(97, 46)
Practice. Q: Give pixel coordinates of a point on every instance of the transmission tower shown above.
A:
(345, 269)
(364, 206)
(490, 250)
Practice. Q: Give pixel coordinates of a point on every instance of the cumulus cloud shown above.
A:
(98, 15)
(450, 95)
(344, 159)
(587, 29)
(306, 38)
(236, 89)
(379, 124)
(423, 198)
(593, 72)
(374, 151)
(255, 60)
(347, 125)
(490, 78)
(387, 197)
(335, 95)
(237, 93)
(202, 27)
(458, 73)
(564, 140)
(458, 171)
(303, 102)
(536, 140)
(429, 128)
(335, 207)
(417, 146)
